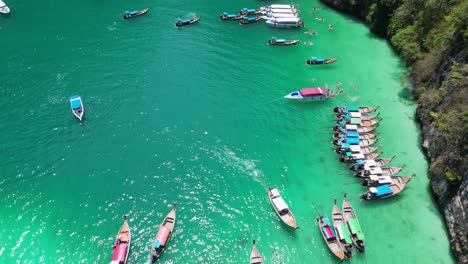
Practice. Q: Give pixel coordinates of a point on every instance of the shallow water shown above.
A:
(194, 115)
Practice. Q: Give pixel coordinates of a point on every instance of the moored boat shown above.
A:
(273, 16)
(309, 94)
(283, 42)
(227, 16)
(4, 9)
(255, 257)
(185, 22)
(358, 122)
(252, 11)
(352, 157)
(281, 208)
(362, 116)
(363, 164)
(382, 171)
(342, 231)
(282, 11)
(77, 107)
(315, 60)
(355, 141)
(281, 6)
(249, 20)
(359, 129)
(329, 236)
(353, 224)
(122, 244)
(285, 22)
(353, 134)
(164, 234)
(135, 13)
(383, 191)
(377, 180)
(361, 109)
(355, 149)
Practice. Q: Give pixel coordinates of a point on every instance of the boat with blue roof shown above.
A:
(135, 13)
(185, 22)
(329, 236)
(352, 108)
(228, 16)
(383, 191)
(282, 42)
(345, 147)
(342, 231)
(354, 226)
(353, 157)
(249, 20)
(252, 11)
(353, 134)
(317, 60)
(355, 141)
(77, 107)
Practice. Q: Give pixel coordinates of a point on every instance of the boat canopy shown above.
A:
(326, 221)
(355, 114)
(75, 102)
(358, 156)
(355, 227)
(279, 203)
(374, 170)
(370, 163)
(251, 18)
(381, 179)
(280, 15)
(317, 59)
(343, 233)
(163, 235)
(231, 15)
(354, 148)
(355, 121)
(353, 108)
(120, 252)
(274, 192)
(351, 127)
(353, 141)
(281, 6)
(353, 134)
(287, 20)
(312, 91)
(185, 20)
(381, 190)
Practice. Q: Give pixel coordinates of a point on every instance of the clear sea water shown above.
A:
(194, 115)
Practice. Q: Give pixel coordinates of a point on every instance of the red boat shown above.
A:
(122, 244)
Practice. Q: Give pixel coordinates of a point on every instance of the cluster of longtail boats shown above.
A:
(355, 140)
(285, 16)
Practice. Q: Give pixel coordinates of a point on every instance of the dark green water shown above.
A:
(193, 115)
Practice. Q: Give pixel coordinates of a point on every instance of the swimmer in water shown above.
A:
(330, 27)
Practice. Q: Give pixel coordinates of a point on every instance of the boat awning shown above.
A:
(355, 121)
(359, 162)
(381, 190)
(326, 221)
(275, 192)
(343, 233)
(356, 228)
(162, 235)
(345, 145)
(381, 179)
(355, 114)
(374, 170)
(287, 20)
(359, 156)
(120, 252)
(355, 148)
(370, 163)
(312, 91)
(353, 108)
(351, 127)
(75, 103)
(279, 203)
(353, 141)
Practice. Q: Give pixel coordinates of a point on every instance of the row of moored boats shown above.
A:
(283, 16)
(354, 138)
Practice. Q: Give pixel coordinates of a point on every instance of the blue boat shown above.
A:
(249, 20)
(184, 22)
(252, 11)
(132, 14)
(315, 60)
(77, 107)
(227, 16)
(386, 190)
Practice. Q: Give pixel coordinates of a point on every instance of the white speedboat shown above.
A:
(309, 94)
(4, 9)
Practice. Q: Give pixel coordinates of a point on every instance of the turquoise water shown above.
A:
(194, 115)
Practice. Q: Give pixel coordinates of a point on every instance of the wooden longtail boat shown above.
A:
(384, 191)
(164, 234)
(132, 14)
(353, 224)
(362, 116)
(363, 164)
(359, 129)
(252, 11)
(344, 148)
(358, 122)
(352, 157)
(353, 134)
(342, 231)
(77, 107)
(376, 180)
(249, 20)
(360, 109)
(329, 237)
(281, 208)
(315, 61)
(283, 42)
(185, 22)
(381, 171)
(122, 244)
(355, 141)
(226, 16)
(255, 257)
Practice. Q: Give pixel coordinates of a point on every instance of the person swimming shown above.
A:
(330, 27)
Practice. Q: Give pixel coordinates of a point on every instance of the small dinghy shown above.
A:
(353, 157)
(378, 180)
(360, 109)
(164, 234)
(364, 164)
(135, 13)
(282, 42)
(329, 236)
(315, 60)
(227, 16)
(77, 107)
(4, 9)
(185, 22)
(353, 224)
(255, 257)
(383, 191)
(381, 171)
(249, 20)
(281, 208)
(342, 231)
(122, 244)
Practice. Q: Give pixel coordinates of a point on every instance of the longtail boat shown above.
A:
(249, 20)
(359, 129)
(363, 164)
(376, 180)
(342, 230)
(383, 191)
(362, 116)
(185, 22)
(227, 16)
(255, 257)
(355, 141)
(352, 157)
(283, 42)
(77, 107)
(329, 237)
(353, 134)
(252, 11)
(136, 13)
(360, 109)
(381, 171)
(164, 234)
(281, 208)
(353, 225)
(355, 149)
(358, 122)
(315, 61)
(122, 244)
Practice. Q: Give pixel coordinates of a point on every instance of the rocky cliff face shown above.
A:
(432, 36)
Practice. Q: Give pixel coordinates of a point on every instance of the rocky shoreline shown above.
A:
(435, 46)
